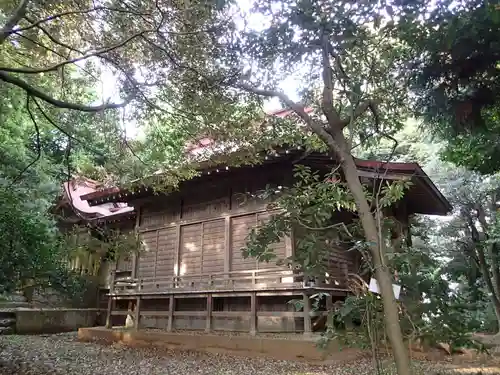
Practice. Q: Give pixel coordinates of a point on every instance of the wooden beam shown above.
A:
(135, 254)
(329, 302)
(190, 313)
(253, 314)
(230, 314)
(177, 251)
(208, 323)
(233, 214)
(156, 251)
(171, 307)
(288, 246)
(307, 316)
(202, 239)
(137, 315)
(383, 176)
(155, 313)
(120, 313)
(227, 245)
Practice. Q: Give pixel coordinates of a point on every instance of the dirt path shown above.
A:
(64, 355)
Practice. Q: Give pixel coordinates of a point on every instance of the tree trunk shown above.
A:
(382, 273)
(333, 137)
(496, 306)
(492, 286)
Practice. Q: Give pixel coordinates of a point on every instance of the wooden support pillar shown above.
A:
(135, 255)
(329, 302)
(208, 323)
(171, 307)
(307, 315)
(137, 313)
(253, 314)
(109, 311)
(227, 246)
(177, 256)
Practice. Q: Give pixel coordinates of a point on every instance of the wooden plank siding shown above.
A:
(213, 246)
(278, 248)
(240, 228)
(147, 257)
(190, 250)
(165, 262)
(192, 235)
(340, 263)
(124, 263)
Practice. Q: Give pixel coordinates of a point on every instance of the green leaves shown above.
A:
(390, 193)
(454, 77)
(320, 210)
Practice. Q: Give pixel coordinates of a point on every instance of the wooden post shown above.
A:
(171, 307)
(108, 314)
(208, 323)
(289, 245)
(177, 258)
(227, 247)
(202, 240)
(329, 302)
(134, 265)
(307, 315)
(156, 253)
(137, 317)
(135, 254)
(253, 314)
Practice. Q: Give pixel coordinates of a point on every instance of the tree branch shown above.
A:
(51, 50)
(76, 59)
(482, 258)
(84, 144)
(13, 20)
(38, 143)
(73, 12)
(33, 91)
(327, 101)
(314, 125)
(361, 109)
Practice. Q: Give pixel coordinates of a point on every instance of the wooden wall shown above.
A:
(203, 228)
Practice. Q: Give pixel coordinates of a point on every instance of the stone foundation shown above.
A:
(36, 321)
(295, 348)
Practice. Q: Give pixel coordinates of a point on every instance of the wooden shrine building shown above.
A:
(190, 273)
(75, 214)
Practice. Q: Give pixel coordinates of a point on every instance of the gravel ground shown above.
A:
(63, 354)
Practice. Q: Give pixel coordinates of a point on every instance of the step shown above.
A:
(5, 305)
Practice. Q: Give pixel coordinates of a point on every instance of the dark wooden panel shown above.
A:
(279, 248)
(159, 211)
(147, 256)
(190, 250)
(213, 246)
(212, 208)
(240, 228)
(124, 263)
(165, 261)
